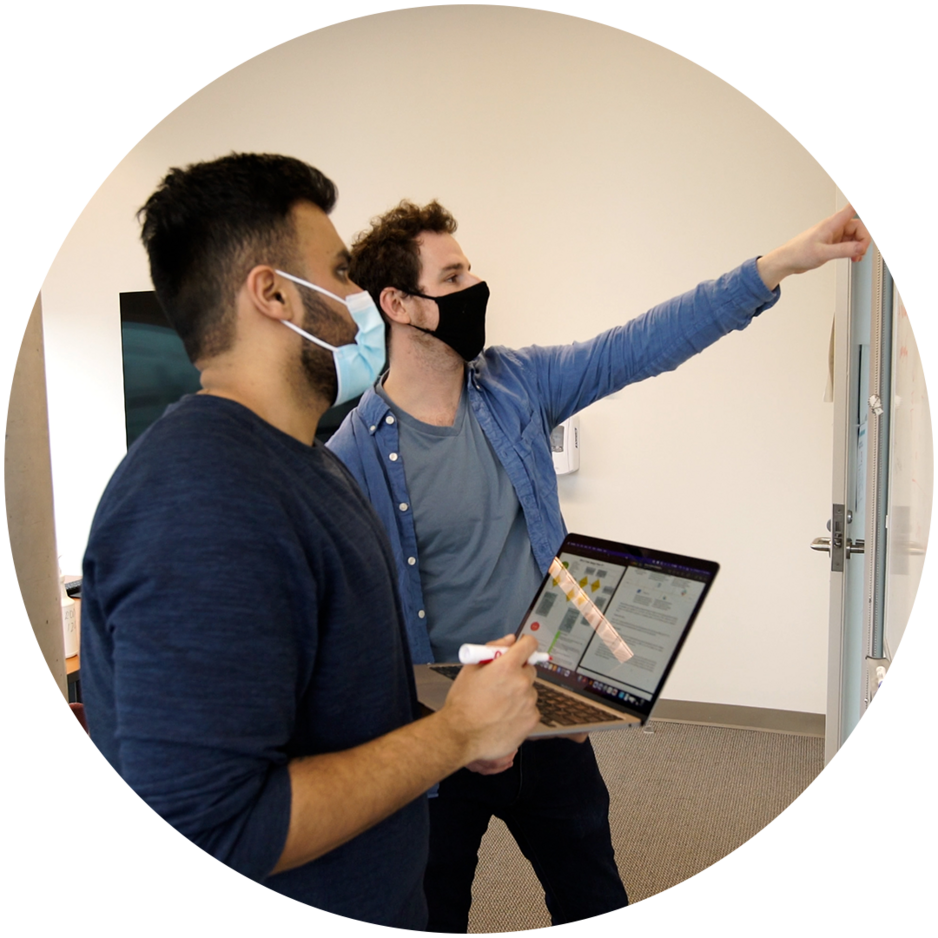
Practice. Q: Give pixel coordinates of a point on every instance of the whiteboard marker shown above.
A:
(480, 654)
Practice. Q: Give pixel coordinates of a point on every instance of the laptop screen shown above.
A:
(613, 618)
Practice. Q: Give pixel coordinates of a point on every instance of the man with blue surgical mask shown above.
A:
(245, 666)
(452, 446)
(357, 363)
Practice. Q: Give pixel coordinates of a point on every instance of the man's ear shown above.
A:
(268, 294)
(393, 305)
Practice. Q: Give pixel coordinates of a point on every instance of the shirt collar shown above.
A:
(373, 408)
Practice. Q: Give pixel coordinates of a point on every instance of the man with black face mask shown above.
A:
(452, 446)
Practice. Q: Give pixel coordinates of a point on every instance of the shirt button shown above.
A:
(411, 560)
(372, 429)
(421, 614)
(389, 418)
(403, 506)
(392, 457)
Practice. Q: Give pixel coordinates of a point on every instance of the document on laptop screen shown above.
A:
(618, 624)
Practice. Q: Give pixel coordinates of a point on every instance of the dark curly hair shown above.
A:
(388, 255)
(207, 225)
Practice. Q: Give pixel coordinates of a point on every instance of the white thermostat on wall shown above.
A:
(565, 445)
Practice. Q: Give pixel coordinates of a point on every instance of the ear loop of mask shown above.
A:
(303, 332)
(312, 286)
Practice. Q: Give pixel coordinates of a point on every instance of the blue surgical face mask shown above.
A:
(358, 363)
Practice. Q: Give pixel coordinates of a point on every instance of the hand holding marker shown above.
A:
(480, 654)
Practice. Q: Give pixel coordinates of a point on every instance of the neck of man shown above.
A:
(425, 379)
(284, 400)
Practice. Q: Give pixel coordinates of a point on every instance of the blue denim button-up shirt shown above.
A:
(519, 395)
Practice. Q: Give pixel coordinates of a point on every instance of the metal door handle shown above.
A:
(851, 547)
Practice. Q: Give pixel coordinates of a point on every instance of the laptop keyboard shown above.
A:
(560, 710)
(556, 709)
(447, 670)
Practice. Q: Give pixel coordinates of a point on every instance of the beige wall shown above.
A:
(27, 477)
(593, 174)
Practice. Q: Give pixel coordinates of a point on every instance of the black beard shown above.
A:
(317, 363)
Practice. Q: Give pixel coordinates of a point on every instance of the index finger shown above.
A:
(504, 641)
(858, 231)
(522, 649)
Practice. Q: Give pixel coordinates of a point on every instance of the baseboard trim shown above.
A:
(792, 722)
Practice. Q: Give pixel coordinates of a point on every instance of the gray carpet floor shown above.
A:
(682, 797)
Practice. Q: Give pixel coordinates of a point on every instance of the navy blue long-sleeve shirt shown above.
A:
(239, 610)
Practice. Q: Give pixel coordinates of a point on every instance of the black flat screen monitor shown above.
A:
(157, 371)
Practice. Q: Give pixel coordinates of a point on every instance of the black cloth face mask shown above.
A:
(462, 319)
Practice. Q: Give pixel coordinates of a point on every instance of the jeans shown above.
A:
(555, 803)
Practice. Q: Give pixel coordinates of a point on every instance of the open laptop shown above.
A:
(613, 618)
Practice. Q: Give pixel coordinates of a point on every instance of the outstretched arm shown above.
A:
(841, 235)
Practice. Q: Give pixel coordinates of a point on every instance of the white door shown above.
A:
(881, 491)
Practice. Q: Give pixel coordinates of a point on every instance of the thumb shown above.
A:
(840, 218)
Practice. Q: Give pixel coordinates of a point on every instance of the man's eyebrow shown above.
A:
(456, 265)
(343, 255)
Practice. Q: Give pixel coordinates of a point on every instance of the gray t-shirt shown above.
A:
(477, 569)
